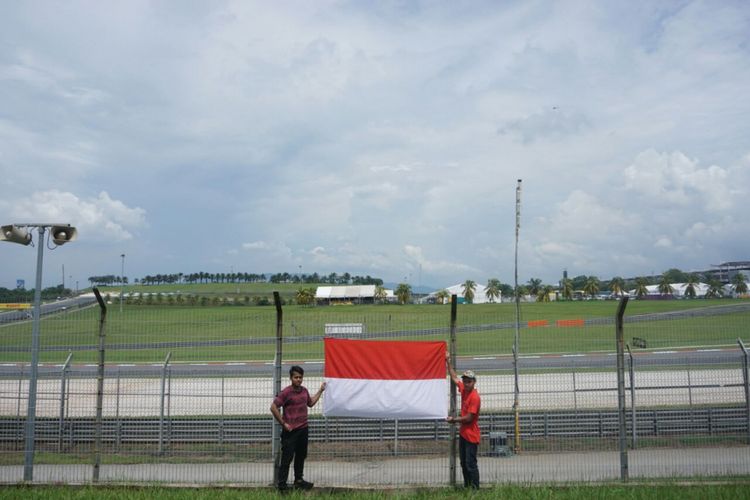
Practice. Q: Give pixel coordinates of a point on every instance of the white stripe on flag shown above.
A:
(392, 399)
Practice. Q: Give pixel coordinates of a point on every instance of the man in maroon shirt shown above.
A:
(469, 433)
(295, 400)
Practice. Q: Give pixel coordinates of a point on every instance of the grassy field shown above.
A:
(640, 491)
(147, 333)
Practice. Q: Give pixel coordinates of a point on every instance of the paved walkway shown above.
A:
(524, 469)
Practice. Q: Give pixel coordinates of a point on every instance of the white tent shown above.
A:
(480, 293)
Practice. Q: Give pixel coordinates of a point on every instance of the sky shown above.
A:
(376, 138)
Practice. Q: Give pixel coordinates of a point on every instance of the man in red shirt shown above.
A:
(295, 400)
(469, 431)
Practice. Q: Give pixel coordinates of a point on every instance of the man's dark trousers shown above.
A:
(467, 453)
(293, 445)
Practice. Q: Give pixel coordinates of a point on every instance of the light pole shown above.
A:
(17, 233)
(122, 280)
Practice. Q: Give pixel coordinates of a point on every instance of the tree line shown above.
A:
(203, 277)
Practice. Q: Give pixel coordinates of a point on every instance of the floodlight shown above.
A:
(15, 234)
(63, 234)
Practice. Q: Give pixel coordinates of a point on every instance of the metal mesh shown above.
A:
(188, 386)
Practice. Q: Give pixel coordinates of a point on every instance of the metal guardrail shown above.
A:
(217, 430)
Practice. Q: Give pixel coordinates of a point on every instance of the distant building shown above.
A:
(480, 294)
(726, 272)
(349, 294)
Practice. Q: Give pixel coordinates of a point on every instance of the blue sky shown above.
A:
(376, 138)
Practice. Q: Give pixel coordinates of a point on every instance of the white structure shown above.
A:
(678, 290)
(360, 294)
(480, 294)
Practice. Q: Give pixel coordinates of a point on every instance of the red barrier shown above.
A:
(538, 322)
(570, 322)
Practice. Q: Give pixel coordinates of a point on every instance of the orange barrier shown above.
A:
(570, 322)
(538, 322)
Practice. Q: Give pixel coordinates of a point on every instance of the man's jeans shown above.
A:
(467, 453)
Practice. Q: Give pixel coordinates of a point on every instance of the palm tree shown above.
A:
(616, 286)
(493, 289)
(403, 292)
(468, 287)
(566, 287)
(544, 293)
(534, 285)
(641, 287)
(665, 287)
(380, 293)
(691, 282)
(305, 296)
(592, 286)
(715, 290)
(739, 284)
(442, 295)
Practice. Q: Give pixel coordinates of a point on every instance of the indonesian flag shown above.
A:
(385, 379)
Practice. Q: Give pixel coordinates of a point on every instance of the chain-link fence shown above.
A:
(187, 386)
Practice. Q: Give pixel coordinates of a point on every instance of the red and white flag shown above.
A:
(385, 379)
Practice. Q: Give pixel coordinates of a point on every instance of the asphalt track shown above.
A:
(400, 472)
(603, 361)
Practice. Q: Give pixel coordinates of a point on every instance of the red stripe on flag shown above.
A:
(384, 360)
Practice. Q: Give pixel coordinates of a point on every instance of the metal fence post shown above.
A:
(118, 438)
(634, 421)
(161, 411)
(746, 383)
(19, 436)
(221, 422)
(63, 380)
(452, 462)
(620, 336)
(99, 386)
(395, 437)
(276, 430)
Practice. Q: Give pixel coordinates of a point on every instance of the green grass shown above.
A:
(159, 324)
(640, 491)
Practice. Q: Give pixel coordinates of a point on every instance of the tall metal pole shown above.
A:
(453, 406)
(516, 340)
(122, 280)
(99, 386)
(746, 384)
(620, 336)
(276, 430)
(28, 468)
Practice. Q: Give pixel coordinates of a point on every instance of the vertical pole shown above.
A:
(122, 280)
(746, 380)
(517, 338)
(117, 413)
(63, 380)
(633, 416)
(99, 386)
(452, 347)
(395, 438)
(221, 422)
(28, 468)
(276, 431)
(620, 335)
(161, 410)
(575, 394)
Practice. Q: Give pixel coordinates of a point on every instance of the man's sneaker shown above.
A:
(302, 484)
(282, 487)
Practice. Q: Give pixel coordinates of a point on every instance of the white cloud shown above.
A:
(675, 179)
(99, 219)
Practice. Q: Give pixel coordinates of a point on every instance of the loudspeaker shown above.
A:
(15, 234)
(63, 234)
